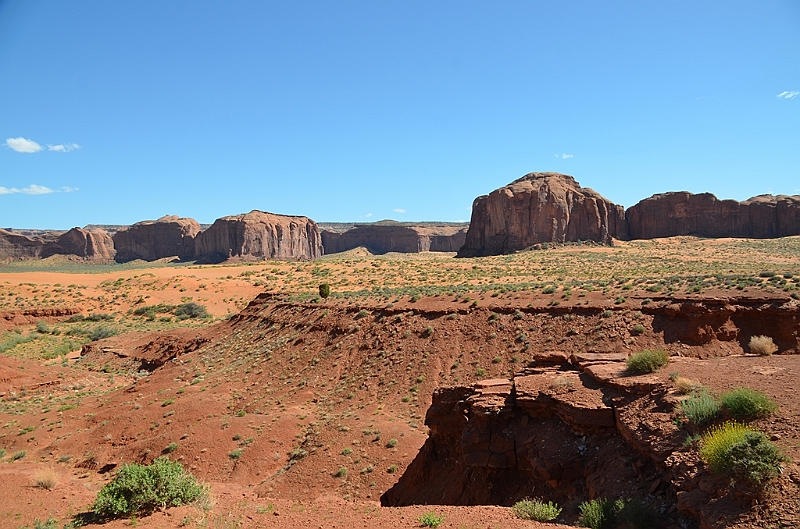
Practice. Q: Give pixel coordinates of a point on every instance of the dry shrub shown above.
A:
(686, 385)
(46, 478)
(762, 345)
(562, 381)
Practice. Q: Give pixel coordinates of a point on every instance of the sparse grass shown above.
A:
(46, 478)
(16, 456)
(647, 361)
(762, 345)
(392, 443)
(536, 510)
(341, 472)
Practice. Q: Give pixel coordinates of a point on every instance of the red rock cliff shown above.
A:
(90, 244)
(155, 239)
(259, 235)
(15, 246)
(380, 239)
(537, 208)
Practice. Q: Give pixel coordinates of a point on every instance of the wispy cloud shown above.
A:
(23, 145)
(399, 210)
(788, 95)
(35, 189)
(63, 147)
(564, 156)
(368, 215)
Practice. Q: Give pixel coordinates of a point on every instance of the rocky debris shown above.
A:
(540, 208)
(14, 246)
(259, 235)
(169, 236)
(381, 239)
(704, 215)
(90, 244)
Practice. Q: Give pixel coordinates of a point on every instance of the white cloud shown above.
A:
(399, 210)
(368, 215)
(63, 147)
(788, 95)
(564, 156)
(23, 145)
(35, 189)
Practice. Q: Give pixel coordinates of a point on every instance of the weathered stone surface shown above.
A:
(259, 235)
(90, 244)
(169, 236)
(380, 239)
(704, 215)
(539, 208)
(14, 246)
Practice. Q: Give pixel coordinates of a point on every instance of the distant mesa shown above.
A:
(259, 235)
(540, 208)
(149, 240)
(704, 215)
(89, 244)
(14, 246)
(385, 238)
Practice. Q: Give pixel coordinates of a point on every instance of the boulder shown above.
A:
(259, 235)
(381, 239)
(169, 236)
(90, 244)
(704, 215)
(540, 208)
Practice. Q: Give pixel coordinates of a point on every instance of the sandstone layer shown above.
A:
(169, 236)
(14, 246)
(89, 244)
(380, 239)
(259, 235)
(704, 215)
(540, 208)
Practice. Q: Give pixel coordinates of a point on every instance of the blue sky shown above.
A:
(365, 110)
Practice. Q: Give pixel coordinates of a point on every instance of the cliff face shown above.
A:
(538, 208)
(704, 215)
(259, 235)
(406, 239)
(155, 239)
(90, 244)
(14, 246)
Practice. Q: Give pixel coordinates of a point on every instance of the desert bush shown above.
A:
(686, 385)
(140, 489)
(16, 456)
(45, 479)
(102, 332)
(746, 403)
(637, 329)
(324, 290)
(342, 472)
(431, 519)
(536, 509)
(762, 345)
(599, 513)
(700, 407)
(190, 310)
(732, 449)
(647, 361)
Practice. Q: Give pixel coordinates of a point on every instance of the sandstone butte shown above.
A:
(90, 244)
(704, 215)
(169, 236)
(539, 208)
(381, 239)
(259, 235)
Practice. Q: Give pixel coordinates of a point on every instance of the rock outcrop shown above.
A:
(381, 239)
(704, 215)
(540, 208)
(169, 236)
(14, 246)
(90, 244)
(259, 235)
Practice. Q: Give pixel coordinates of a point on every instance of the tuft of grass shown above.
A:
(536, 510)
(170, 448)
(735, 450)
(746, 403)
(392, 443)
(762, 345)
(46, 479)
(341, 473)
(16, 456)
(685, 385)
(700, 407)
(430, 519)
(647, 361)
(236, 454)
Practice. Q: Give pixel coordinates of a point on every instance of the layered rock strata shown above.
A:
(169, 236)
(89, 244)
(380, 239)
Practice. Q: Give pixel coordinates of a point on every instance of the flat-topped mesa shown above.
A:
(15, 246)
(704, 215)
(259, 235)
(539, 208)
(90, 244)
(381, 239)
(169, 236)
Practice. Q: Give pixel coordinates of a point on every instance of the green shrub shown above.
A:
(700, 407)
(600, 513)
(98, 333)
(746, 403)
(190, 310)
(141, 489)
(16, 456)
(536, 510)
(637, 329)
(647, 361)
(324, 290)
(732, 449)
(431, 519)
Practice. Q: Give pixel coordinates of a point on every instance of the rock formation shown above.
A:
(539, 208)
(380, 239)
(155, 239)
(704, 215)
(90, 244)
(14, 246)
(259, 235)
